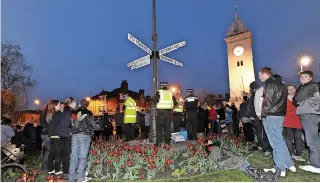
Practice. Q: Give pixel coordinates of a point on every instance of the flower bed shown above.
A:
(120, 161)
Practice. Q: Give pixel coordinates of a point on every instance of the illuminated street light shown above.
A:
(180, 100)
(173, 89)
(88, 98)
(304, 62)
(37, 103)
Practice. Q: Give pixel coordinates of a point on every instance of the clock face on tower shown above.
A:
(238, 51)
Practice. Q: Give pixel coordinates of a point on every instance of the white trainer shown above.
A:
(273, 170)
(59, 173)
(283, 174)
(310, 168)
(293, 169)
(52, 172)
(298, 158)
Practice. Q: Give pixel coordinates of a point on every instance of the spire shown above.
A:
(237, 26)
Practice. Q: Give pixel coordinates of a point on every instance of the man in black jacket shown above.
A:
(274, 107)
(82, 131)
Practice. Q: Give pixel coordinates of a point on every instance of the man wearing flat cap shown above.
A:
(191, 104)
(165, 102)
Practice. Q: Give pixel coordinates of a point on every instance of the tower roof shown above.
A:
(237, 26)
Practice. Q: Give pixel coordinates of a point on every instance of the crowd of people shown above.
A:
(273, 118)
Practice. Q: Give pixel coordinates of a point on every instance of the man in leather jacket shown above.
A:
(274, 108)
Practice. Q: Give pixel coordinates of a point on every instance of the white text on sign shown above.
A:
(170, 60)
(140, 64)
(172, 47)
(139, 60)
(138, 43)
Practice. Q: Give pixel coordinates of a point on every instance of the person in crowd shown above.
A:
(228, 120)
(65, 133)
(245, 120)
(130, 116)
(213, 117)
(18, 136)
(254, 113)
(206, 118)
(147, 124)
(45, 119)
(308, 101)
(235, 119)
(201, 116)
(6, 130)
(29, 138)
(191, 104)
(38, 129)
(177, 117)
(221, 115)
(96, 128)
(54, 131)
(274, 108)
(165, 101)
(62, 106)
(105, 123)
(292, 127)
(119, 122)
(82, 128)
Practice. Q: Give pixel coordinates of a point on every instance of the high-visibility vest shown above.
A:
(179, 108)
(165, 100)
(130, 114)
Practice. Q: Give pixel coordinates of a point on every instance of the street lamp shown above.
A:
(88, 99)
(37, 103)
(304, 61)
(173, 89)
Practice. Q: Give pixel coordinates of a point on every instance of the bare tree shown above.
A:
(16, 79)
(210, 99)
(201, 93)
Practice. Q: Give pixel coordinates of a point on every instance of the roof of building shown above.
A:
(115, 93)
(237, 26)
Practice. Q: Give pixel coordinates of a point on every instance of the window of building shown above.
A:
(238, 64)
(241, 63)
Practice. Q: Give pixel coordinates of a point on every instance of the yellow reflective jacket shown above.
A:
(130, 113)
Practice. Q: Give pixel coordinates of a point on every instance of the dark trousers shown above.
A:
(54, 154)
(235, 126)
(259, 131)
(177, 120)
(96, 134)
(128, 129)
(66, 151)
(119, 131)
(192, 124)
(163, 124)
(30, 146)
(146, 131)
(216, 128)
(248, 132)
(230, 129)
(295, 134)
(45, 152)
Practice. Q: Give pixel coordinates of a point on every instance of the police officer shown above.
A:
(165, 101)
(191, 104)
(130, 116)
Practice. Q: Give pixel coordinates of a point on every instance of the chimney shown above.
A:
(124, 86)
(141, 92)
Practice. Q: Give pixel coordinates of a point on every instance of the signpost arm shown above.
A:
(155, 74)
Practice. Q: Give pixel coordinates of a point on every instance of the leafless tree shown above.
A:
(211, 99)
(16, 79)
(201, 93)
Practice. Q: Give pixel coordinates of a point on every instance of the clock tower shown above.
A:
(240, 59)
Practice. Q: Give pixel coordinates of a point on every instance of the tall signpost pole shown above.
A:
(154, 54)
(153, 136)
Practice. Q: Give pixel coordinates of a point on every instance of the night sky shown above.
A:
(79, 47)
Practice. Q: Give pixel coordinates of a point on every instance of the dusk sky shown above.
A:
(79, 47)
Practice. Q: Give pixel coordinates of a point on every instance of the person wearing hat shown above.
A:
(130, 116)
(191, 104)
(165, 101)
(307, 100)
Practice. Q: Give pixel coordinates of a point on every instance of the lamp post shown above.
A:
(304, 62)
(37, 103)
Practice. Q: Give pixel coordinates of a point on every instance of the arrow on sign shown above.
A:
(138, 43)
(140, 62)
(172, 47)
(171, 61)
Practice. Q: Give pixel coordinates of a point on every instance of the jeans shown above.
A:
(66, 151)
(310, 125)
(230, 129)
(281, 155)
(55, 154)
(46, 150)
(296, 135)
(80, 145)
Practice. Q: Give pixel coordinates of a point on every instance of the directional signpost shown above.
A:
(155, 55)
